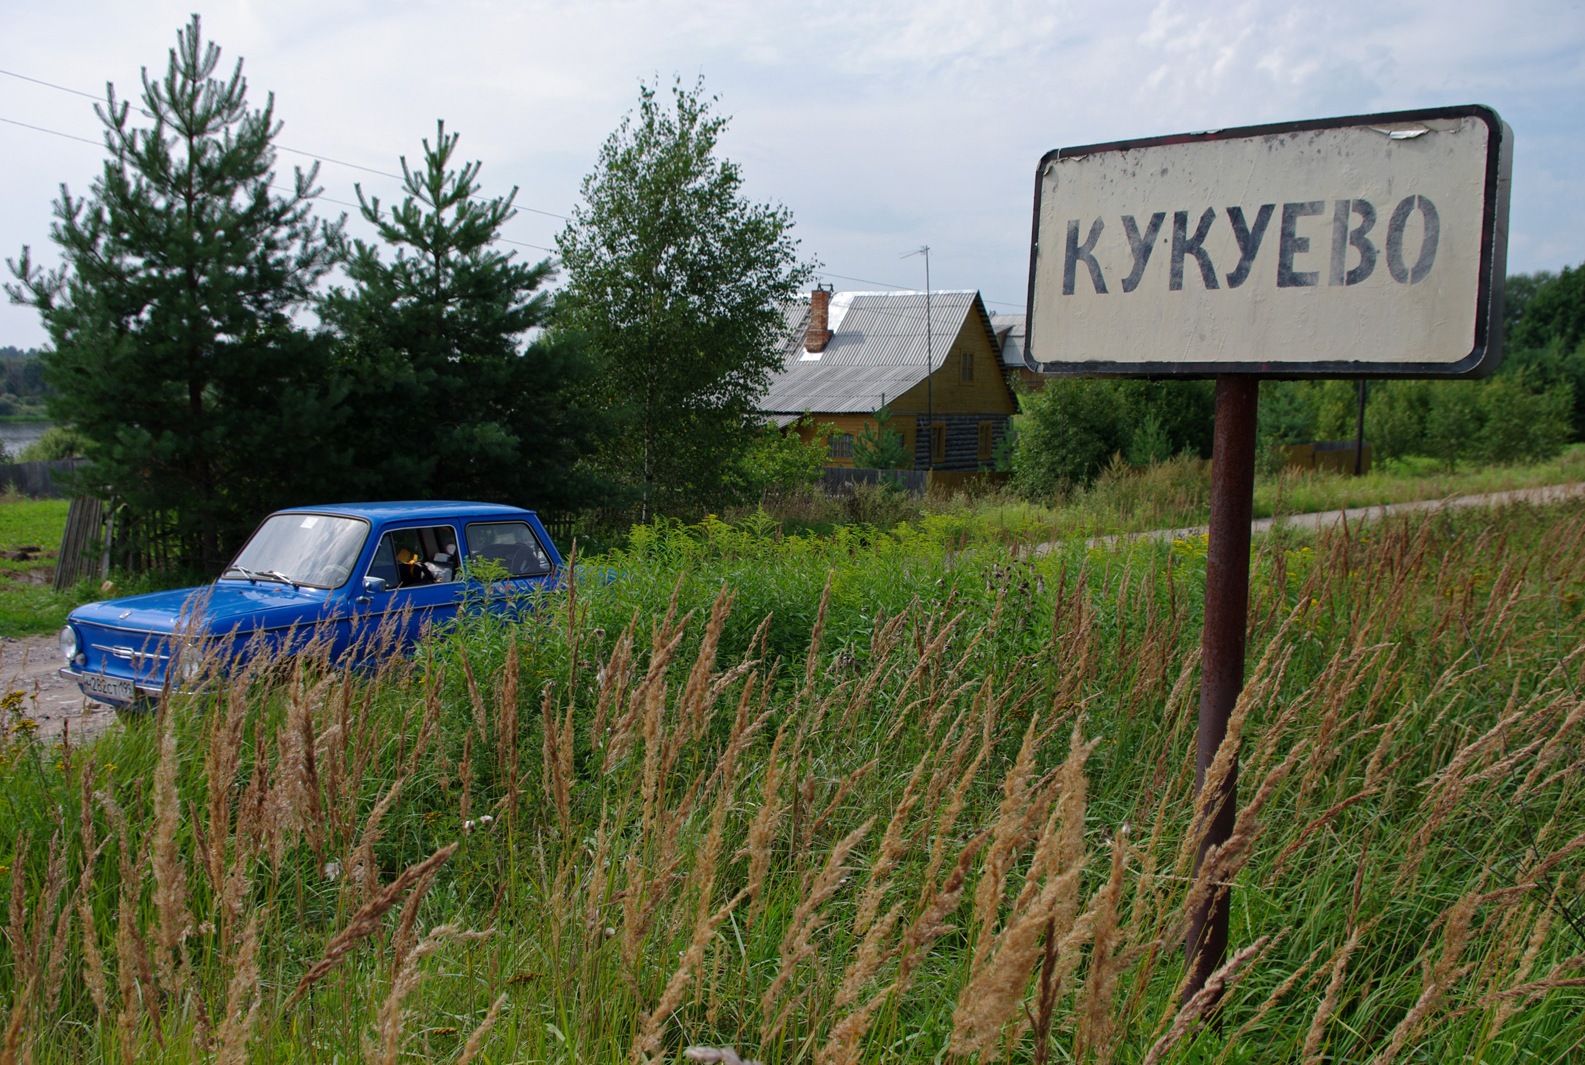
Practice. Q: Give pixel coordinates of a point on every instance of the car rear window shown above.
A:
(510, 544)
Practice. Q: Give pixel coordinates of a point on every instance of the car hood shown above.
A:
(223, 607)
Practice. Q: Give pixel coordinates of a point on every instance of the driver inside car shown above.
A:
(409, 570)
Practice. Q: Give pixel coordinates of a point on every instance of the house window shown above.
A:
(840, 445)
(938, 442)
(985, 438)
(966, 366)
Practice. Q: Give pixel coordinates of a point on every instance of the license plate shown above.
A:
(114, 688)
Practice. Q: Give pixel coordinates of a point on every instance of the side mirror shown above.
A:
(371, 587)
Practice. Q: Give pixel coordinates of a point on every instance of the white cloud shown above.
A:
(882, 125)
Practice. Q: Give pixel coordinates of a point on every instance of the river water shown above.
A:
(18, 435)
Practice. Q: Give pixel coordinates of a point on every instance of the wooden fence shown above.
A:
(39, 479)
(835, 480)
(83, 555)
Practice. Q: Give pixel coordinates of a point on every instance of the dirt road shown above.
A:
(31, 665)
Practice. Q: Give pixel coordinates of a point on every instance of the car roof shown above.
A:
(409, 509)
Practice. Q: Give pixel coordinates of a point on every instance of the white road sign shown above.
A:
(1368, 246)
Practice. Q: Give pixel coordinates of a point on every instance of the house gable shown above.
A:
(875, 350)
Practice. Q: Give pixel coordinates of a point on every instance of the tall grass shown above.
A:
(855, 798)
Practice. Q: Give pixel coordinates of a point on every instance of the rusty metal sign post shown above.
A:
(1371, 246)
(1222, 654)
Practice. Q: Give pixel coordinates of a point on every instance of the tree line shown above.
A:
(222, 349)
(1529, 410)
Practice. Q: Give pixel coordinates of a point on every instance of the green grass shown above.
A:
(1409, 480)
(742, 775)
(28, 605)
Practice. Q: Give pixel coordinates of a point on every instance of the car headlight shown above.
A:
(70, 650)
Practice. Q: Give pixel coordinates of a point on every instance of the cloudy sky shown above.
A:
(882, 125)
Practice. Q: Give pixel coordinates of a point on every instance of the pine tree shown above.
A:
(174, 349)
(880, 447)
(676, 278)
(450, 402)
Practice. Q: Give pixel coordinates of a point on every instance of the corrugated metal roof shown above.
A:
(1009, 329)
(876, 353)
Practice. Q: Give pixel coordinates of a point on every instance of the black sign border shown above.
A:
(1482, 359)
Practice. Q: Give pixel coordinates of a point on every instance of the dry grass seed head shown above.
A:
(170, 880)
(1009, 832)
(808, 916)
(404, 982)
(1095, 1030)
(243, 995)
(1189, 1015)
(476, 1038)
(366, 921)
(1439, 975)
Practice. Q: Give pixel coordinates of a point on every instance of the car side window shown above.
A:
(408, 558)
(510, 544)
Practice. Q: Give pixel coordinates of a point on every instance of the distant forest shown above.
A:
(22, 388)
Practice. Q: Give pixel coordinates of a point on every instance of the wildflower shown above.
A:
(332, 870)
(26, 725)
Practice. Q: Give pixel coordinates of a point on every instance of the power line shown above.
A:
(51, 132)
(274, 185)
(388, 174)
(316, 156)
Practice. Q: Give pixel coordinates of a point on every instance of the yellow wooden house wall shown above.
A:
(987, 395)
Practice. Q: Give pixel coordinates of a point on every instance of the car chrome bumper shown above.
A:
(109, 689)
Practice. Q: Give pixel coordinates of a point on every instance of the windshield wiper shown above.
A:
(254, 576)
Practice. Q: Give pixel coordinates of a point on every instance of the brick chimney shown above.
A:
(819, 314)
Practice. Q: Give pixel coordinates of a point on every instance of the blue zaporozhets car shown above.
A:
(355, 581)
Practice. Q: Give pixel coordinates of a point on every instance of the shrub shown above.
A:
(779, 461)
(58, 442)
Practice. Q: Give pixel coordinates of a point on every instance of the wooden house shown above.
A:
(931, 359)
(1009, 330)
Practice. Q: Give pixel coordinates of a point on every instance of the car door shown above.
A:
(411, 584)
(507, 563)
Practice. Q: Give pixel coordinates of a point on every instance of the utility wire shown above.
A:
(274, 185)
(317, 157)
(384, 173)
(51, 132)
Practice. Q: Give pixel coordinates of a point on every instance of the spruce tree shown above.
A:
(450, 400)
(174, 345)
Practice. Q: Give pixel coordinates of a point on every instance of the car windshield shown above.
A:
(318, 550)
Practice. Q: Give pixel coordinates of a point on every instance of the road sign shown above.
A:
(1345, 247)
(1364, 246)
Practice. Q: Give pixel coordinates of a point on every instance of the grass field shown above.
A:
(1170, 495)
(28, 606)
(855, 798)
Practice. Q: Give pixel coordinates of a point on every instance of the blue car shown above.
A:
(358, 581)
